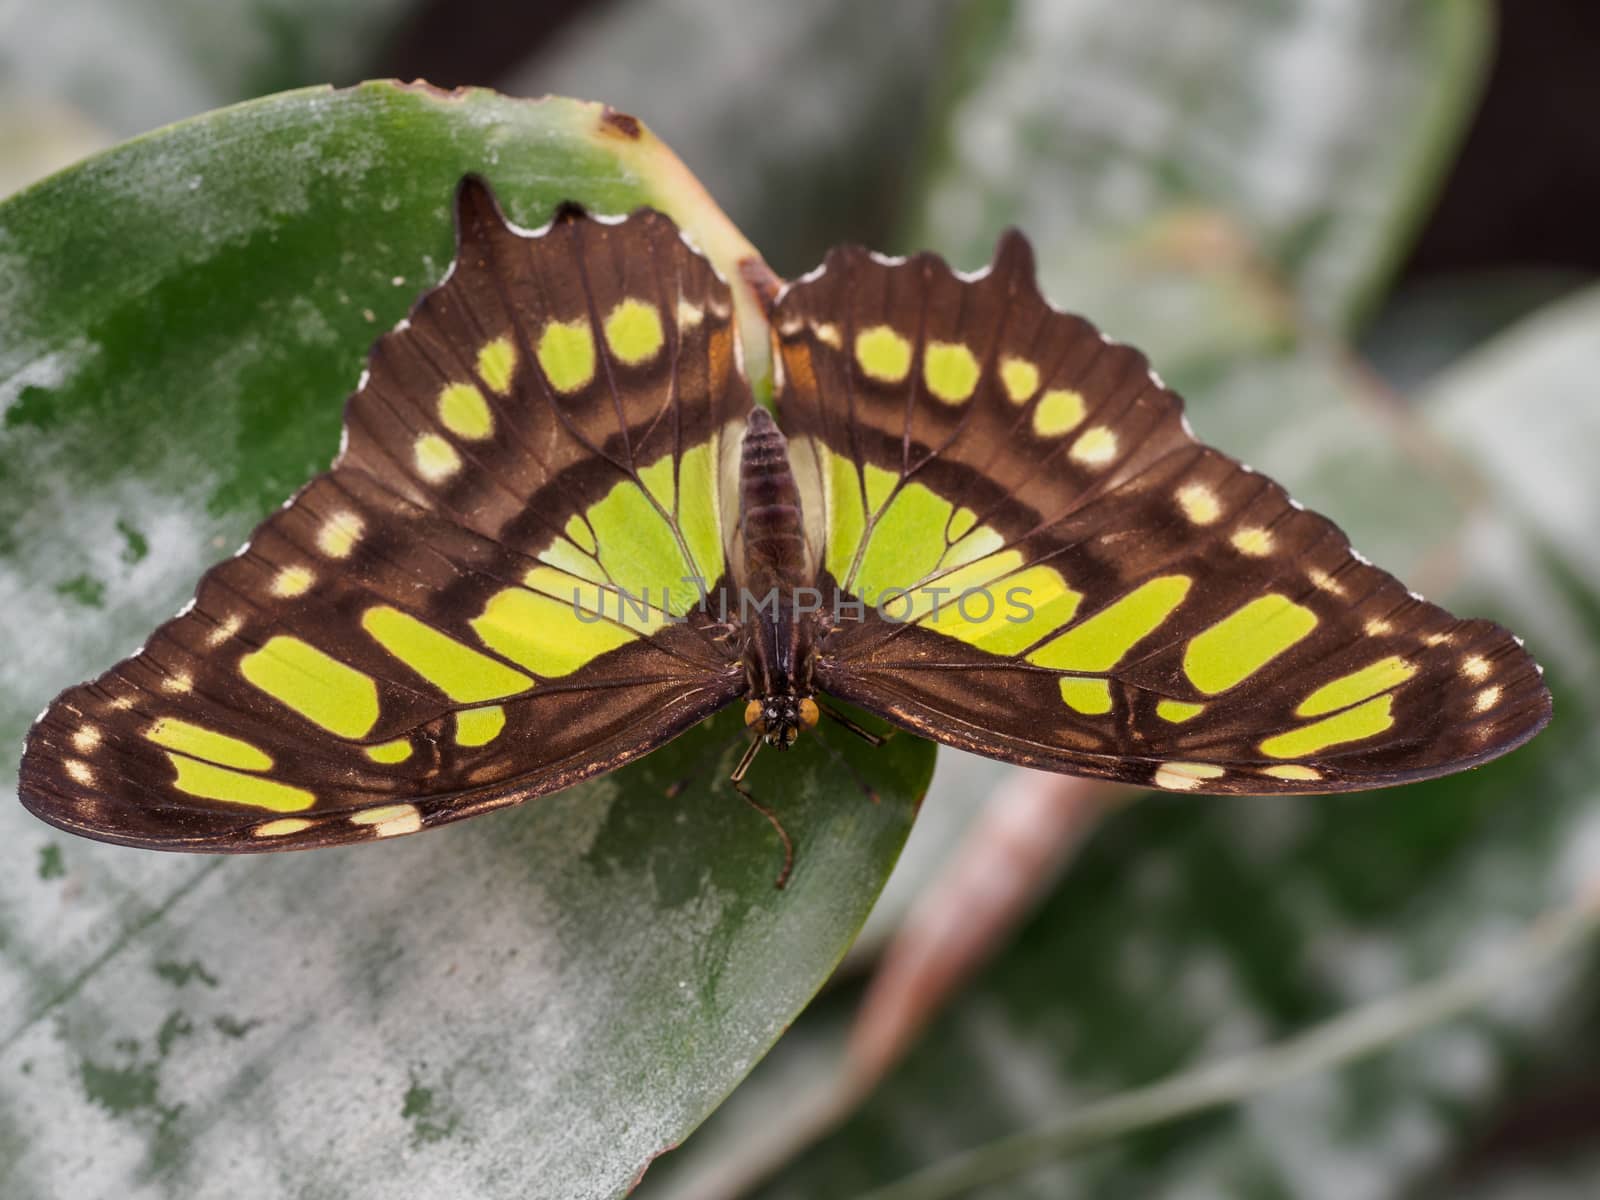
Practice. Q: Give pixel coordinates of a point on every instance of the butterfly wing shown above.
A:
(1139, 606)
(434, 627)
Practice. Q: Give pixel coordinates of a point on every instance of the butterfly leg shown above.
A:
(737, 780)
(866, 735)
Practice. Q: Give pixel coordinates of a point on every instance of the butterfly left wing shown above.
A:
(435, 627)
(1139, 606)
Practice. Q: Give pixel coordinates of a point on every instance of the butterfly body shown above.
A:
(560, 532)
(777, 575)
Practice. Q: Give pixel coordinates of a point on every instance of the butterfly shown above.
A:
(560, 532)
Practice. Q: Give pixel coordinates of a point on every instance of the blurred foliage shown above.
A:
(130, 65)
(804, 120)
(1227, 184)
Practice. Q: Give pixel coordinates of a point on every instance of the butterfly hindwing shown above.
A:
(431, 628)
(1139, 606)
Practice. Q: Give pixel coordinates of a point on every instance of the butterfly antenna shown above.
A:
(737, 780)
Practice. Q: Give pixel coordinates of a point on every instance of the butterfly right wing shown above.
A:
(1142, 607)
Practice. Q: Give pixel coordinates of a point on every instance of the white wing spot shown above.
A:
(390, 820)
(224, 631)
(1095, 447)
(1253, 541)
(1199, 503)
(281, 827)
(689, 314)
(340, 533)
(293, 581)
(1324, 582)
(1186, 776)
(436, 459)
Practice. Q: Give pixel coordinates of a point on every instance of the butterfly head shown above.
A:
(779, 719)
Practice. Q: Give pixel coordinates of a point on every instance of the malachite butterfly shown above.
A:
(560, 532)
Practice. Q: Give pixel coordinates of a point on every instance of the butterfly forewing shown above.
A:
(1137, 606)
(433, 627)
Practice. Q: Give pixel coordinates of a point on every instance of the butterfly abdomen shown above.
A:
(775, 547)
(776, 564)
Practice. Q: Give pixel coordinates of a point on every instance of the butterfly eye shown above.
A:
(810, 714)
(753, 713)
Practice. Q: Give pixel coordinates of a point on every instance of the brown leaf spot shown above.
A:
(620, 124)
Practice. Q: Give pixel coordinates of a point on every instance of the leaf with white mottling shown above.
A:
(535, 1003)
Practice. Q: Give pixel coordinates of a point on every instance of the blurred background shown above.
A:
(1361, 236)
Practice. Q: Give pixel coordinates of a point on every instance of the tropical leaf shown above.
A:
(535, 1003)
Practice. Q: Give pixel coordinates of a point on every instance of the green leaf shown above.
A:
(535, 1003)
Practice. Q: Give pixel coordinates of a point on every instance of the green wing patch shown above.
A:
(1052, 570)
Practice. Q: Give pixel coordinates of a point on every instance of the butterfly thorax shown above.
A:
(779, 629)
